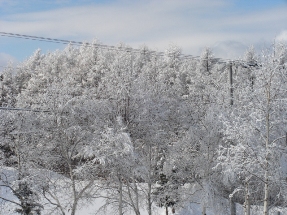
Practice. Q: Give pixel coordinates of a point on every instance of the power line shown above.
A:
(43, 39)
(108, 47)
(52, 40)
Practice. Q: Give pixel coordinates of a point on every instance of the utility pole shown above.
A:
(231, 83)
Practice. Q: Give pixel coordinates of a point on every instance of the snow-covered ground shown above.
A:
(92, 207)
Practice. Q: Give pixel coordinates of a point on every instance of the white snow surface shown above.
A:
(92, 207)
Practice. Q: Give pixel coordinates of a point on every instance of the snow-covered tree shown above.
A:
(20, 151)
(255, 129)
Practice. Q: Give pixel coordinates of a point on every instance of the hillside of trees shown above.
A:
(146, 129)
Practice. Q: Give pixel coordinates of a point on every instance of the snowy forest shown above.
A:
(142, 131)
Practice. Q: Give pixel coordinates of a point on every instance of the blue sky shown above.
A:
(227, 26)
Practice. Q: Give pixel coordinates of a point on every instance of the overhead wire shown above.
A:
(108, 47)
(53, 40)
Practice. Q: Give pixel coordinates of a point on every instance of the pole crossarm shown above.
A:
(24, 109)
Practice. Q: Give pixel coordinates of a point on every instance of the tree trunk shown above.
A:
(166, 210)
(73, 212)
(120, 196)
(134, 203)
(203, 209)
(232, 207)
(75, 202)
(247, 205)
(149, 201)
(266, 188)
(136, 196)
(266, 193)
(173, 210)
(247, 200)
(149, 198)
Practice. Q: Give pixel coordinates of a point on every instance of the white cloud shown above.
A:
(6, 59)
(229, 49)
(191, 24)
(282, 36)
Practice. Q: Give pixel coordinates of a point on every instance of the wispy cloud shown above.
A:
(5, 60)
(282, 36)
(191, 24)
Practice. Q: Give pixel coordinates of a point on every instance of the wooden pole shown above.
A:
(231, 83)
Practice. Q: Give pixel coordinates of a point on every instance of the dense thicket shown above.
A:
(139, 127)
